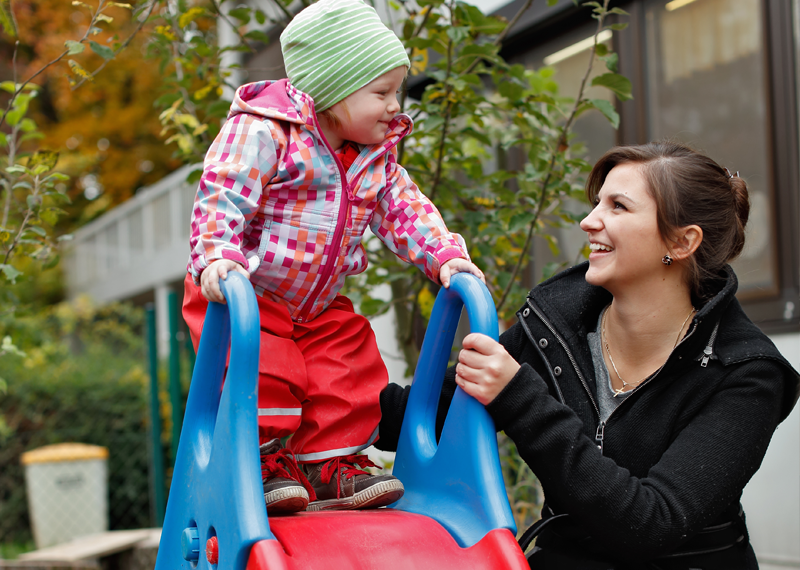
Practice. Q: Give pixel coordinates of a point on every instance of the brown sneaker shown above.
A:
(342, 484)
(286, 489)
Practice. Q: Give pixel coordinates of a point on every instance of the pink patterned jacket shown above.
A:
(275, 198)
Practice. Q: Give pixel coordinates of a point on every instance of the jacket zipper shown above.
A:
(333, 256)
(344, 207)
(708, 351)
(600, 435)
(569, 354)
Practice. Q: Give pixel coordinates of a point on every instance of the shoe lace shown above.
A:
(347, 465)
(283, 464)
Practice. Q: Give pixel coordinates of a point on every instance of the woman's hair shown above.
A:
(689, 188)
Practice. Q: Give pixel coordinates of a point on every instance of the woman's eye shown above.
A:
(618, 206)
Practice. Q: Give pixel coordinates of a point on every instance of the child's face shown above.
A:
(370, 109)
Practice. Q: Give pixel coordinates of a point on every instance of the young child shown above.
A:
(295, 177)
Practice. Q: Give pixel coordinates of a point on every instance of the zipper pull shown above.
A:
(706, 356)
(598, 437)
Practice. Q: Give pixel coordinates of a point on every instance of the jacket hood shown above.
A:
(567, 299)
(280, 100)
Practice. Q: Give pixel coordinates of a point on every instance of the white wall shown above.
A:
(772, 498)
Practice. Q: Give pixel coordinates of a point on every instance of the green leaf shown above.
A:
(101, 50)
(601, 50)
(257, 35)
(10, 272)
(58, 176)
(52, 262)
(16, 169)
(27, 125)
(619, 84)
(7, 19)
(457, 33)
(74, 47)
(261, 17)
(550, 269)
(433, 122)
(612, 62)
(241, 14)
(194, 176)
(621, 26)
(608, 110)
(219, 108)
(370, 306)
(120, 5)
(36, 229)
(45, 158)
(619, 11)
(33, 135)
(50, 215)
(14, 116)
(103, 18)
(8, 86)
(32, 201)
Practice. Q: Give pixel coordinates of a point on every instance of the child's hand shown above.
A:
(209, 278)
(458, 265)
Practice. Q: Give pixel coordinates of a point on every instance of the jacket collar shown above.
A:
(573, 306)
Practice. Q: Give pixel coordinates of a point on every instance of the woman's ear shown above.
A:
(686, 242)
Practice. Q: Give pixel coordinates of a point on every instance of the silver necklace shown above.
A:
(611, 359)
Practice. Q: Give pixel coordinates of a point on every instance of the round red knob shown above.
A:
(212, 550)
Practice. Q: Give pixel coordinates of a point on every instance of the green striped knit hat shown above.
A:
(335, 47)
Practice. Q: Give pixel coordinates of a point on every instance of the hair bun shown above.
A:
(741, 198)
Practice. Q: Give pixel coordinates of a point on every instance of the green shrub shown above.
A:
(81, 379)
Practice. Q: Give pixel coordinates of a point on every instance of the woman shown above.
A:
(634, 385)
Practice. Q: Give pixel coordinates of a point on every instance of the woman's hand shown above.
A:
(458, 265)
(484, 367)
(209, 278)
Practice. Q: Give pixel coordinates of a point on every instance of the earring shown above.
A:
(666, 260)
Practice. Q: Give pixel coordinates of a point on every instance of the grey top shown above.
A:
(605, 393)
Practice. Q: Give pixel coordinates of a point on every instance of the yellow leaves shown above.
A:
(191, 15)
(186, 120)
(483, 201)
(78, 70)
(425, 300)
(185, 142)
(419, 60)
(167, 114)
(203, 92)
(166, 32)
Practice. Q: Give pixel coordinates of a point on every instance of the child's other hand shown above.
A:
(209, 278)
(458, 265)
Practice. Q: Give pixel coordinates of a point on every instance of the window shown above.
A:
(717, 74)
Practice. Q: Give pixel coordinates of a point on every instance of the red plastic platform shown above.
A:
(383, 539)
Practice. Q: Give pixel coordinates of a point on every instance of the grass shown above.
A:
(12, 550)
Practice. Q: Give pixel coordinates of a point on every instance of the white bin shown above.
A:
(67, 487)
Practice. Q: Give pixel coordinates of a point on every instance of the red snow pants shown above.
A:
(320, 380)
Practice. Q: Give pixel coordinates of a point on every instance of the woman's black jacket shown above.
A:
(670, 461)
